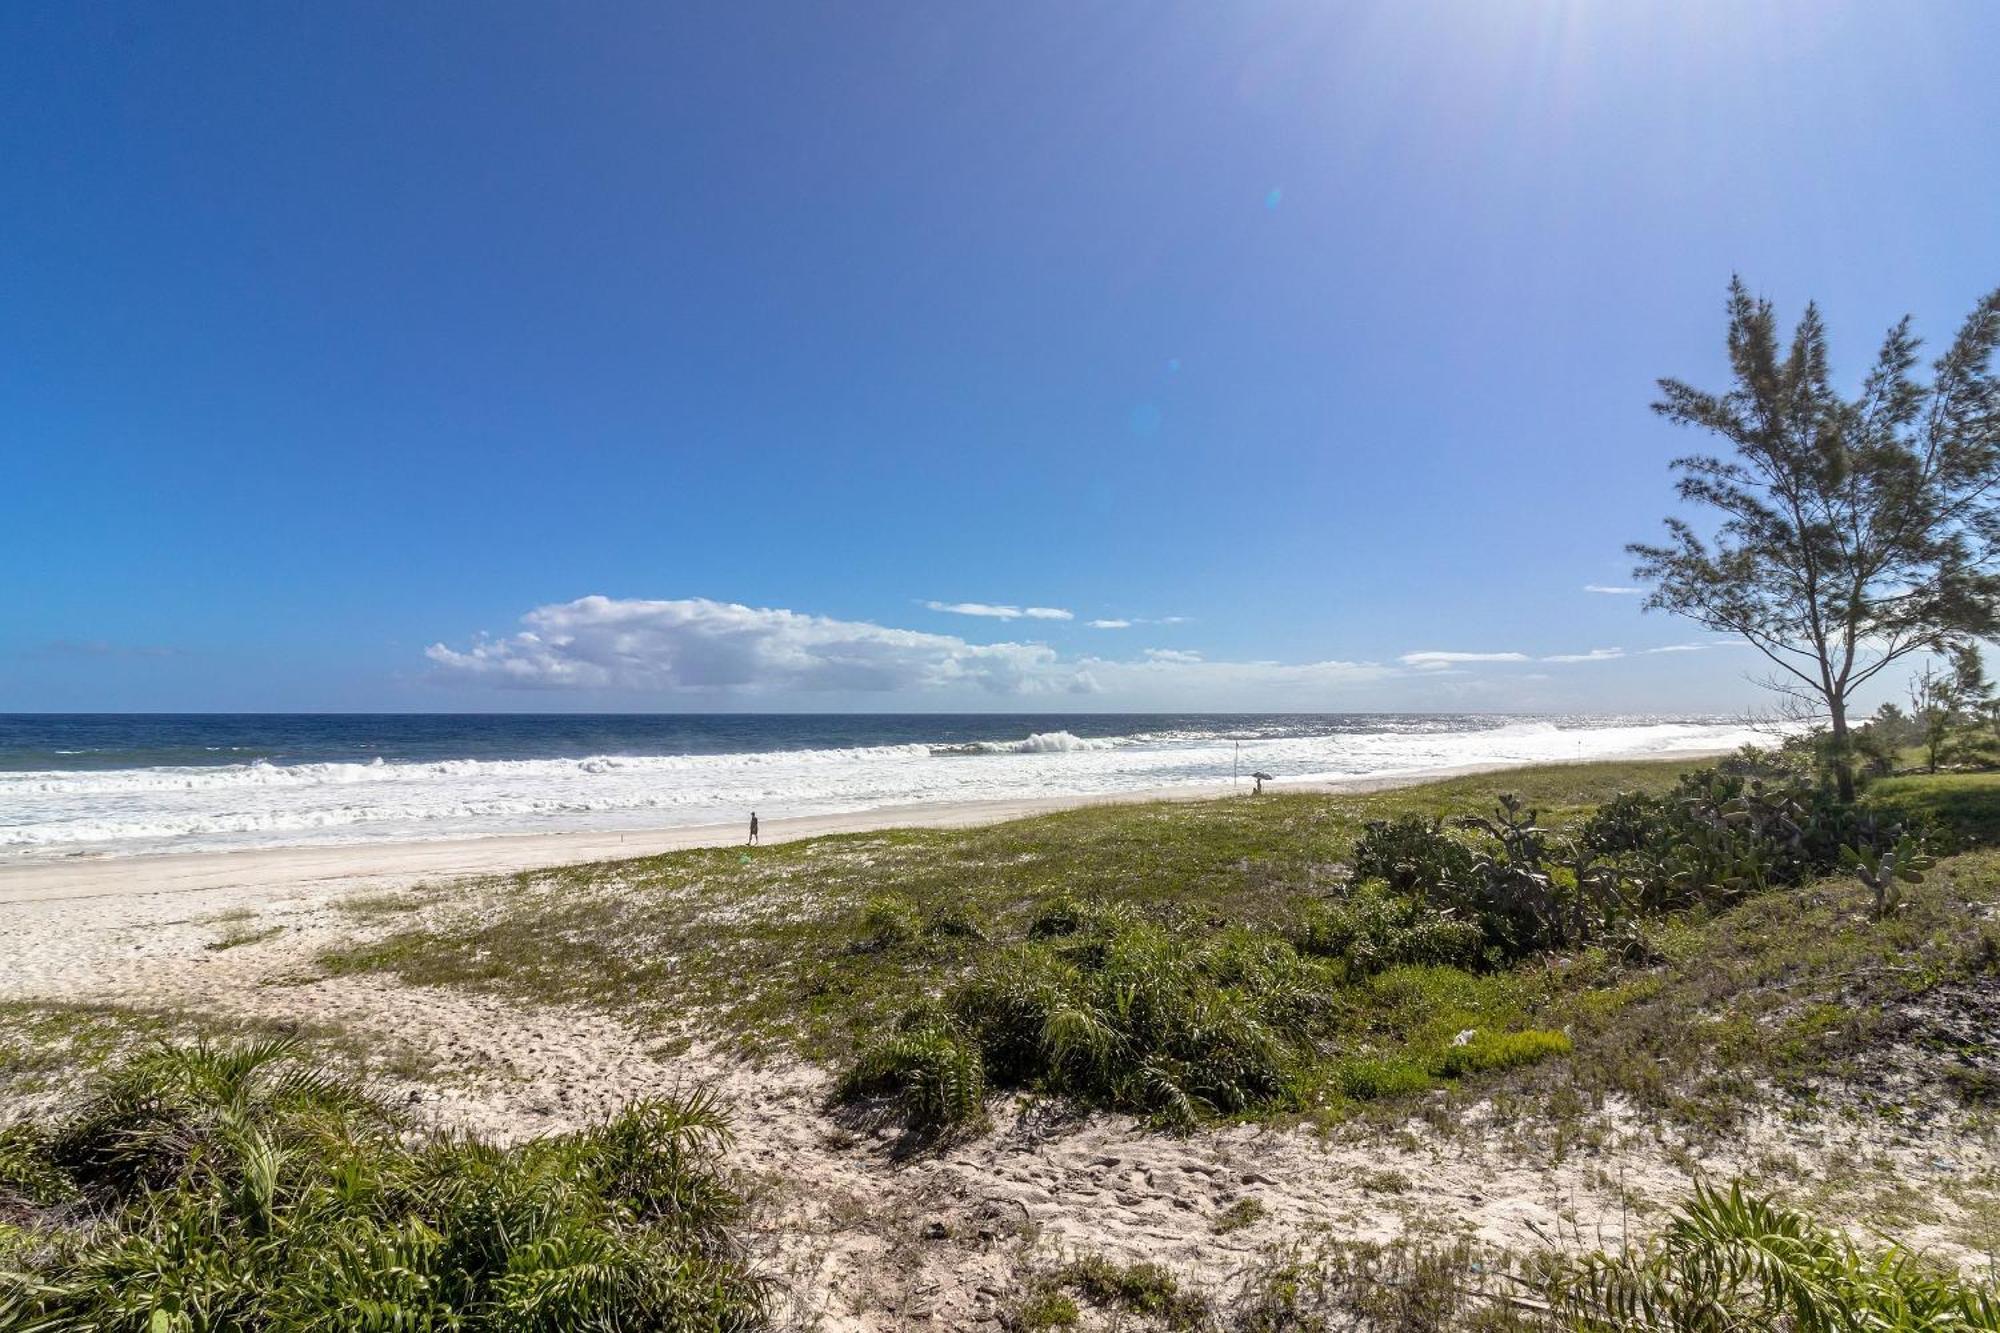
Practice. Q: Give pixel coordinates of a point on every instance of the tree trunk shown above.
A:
(1843, 753)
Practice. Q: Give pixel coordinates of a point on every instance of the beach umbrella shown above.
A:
(1261, 778)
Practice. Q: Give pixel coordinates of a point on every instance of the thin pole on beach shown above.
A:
(1235, 762)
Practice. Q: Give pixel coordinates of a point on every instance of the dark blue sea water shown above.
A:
(83, 741)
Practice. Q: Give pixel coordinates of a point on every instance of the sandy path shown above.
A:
(859, 1239)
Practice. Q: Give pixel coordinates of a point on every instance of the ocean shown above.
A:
(112, 784)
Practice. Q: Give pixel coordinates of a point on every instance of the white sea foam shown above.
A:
(263, 804)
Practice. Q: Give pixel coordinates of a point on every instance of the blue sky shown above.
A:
(335, 340)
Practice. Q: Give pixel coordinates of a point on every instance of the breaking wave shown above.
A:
(265, 803)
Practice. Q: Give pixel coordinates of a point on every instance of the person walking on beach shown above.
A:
(753, 829)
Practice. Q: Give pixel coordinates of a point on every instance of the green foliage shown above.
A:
(1122, 1012)
(1519, 889)
(928, 1066)
(1368, 1079)
(1732, 1260)
(1411, 853)
(1045, 1309)
(890, 921)
(1177, 1019)
(1500, 1050)
(1363, 1287)
(1952, 713)
(887, 921)
(240, 1187)
(1140, 1016)
(1954, 811)
(28, 1178)
(1142, 1289)
(1373, 929)
(1719, 836)
(1850, 532)
(1885, 873)
(1533, 893)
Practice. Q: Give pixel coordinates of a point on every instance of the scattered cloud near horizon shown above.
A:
(992, 611)
(1438, 661)
(1613, 589)
(1432, 661)
(698, 645)
(1111, 624)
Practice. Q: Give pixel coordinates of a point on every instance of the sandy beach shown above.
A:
(858, 1237)
(390, 864)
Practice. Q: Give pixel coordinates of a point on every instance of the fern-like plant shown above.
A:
(1730, 1260)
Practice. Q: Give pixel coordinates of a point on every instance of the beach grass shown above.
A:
(817, 948)
(771, 946)
(239, 1185)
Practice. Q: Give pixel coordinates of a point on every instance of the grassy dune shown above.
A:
(1185, 962)
(774, 946)
(815, 948)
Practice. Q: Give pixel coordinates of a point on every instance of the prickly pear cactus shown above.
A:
(1885, 873)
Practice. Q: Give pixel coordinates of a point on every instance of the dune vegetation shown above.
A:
(1278, 957)
(1700, 946)
(203, 1187)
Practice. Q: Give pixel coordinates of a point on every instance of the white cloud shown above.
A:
(1613, 589)
(1594, 655)
(995, 611)
(1168, 682)
(1431, 661)
(1111, 624)
(1679, 648)
(717, 650)
(628, 644)
(701, 646)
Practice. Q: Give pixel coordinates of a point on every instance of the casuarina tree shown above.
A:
(1848, 533)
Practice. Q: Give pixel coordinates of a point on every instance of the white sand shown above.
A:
(862, 1241)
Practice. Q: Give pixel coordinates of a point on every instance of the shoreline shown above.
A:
(363, 864)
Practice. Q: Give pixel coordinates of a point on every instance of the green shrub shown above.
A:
(888, 921)
(1373, 930)
(1732, 1260)
(952, 923)
(1060, 916)
(1721, 834)
(28, 1178)
(242, 1188)
(1045, 1309)
(1131, 1014)
(930, 1069)
(1411, 854)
